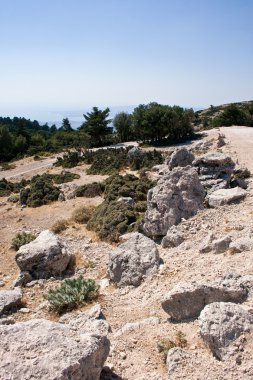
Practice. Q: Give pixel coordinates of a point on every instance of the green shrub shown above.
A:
(6, 187)
(83, 214)
(72, 292)
(41, 192)
(69, 160)
(7, 166)
(90, 190)
(22, 239)
(59, 226)
(63, 177)
(113, 218)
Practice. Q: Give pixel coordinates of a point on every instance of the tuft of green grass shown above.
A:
(71, 293)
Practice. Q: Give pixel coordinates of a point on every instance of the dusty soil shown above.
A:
(134, 354)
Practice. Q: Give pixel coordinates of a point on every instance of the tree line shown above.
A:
(152, 123)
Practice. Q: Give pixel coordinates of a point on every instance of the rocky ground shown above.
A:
(137, 320)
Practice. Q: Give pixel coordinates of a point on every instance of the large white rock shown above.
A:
(45, 256)
(225, 196)
(10, 300)
(186, 300)
(133, 260)
(41, 349)
(221, 323)
(180, 157)
(178, 194)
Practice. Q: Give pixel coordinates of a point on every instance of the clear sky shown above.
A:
(61, 57)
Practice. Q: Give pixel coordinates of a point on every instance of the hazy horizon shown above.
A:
(60, 57)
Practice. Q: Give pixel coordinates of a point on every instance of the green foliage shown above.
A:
(96, 125)
(72, 292)
(66, 126)
(122, 123)
(165, 345)
(110, 161)
(22, 239)
(157, 123)
(83, 214)
(113, 218)
(6, 187)
(232, 115)
(63, 177)
(90, 190)
(69, 160)
(41, 192)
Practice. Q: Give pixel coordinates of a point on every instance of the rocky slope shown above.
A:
(220, 275)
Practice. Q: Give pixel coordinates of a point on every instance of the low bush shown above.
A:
(22, 239)
(71, 293)
(41, 192)
(113, 218)
(7, 166)
(69, 160)
(90, 190)
(6, 187)
(167, 344)
(59, 226)
(63, 177)
(83, 214)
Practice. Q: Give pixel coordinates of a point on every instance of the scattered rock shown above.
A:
(128, 327)
(176, 359)
(173, 238)
(131, 261)
(10, 300)
(45, 256)
(23, 279)
(215, 170)
(242, 244)
(2, 283)
(178, 194)
(135, 152)
(207, 246)
(180, 157)
(225, 196)
(41, 349)
(221, 141)
(128, 200)
(221, 323)
(186, 300)
(61, 197)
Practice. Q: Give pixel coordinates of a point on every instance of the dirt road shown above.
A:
(240, 140)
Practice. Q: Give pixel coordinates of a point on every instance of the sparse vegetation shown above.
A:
(22, 239)
(167, 344)
(83, 214)
(69, 159)
(7, 166)
(71, 293)
(59, 226)
(6, 187)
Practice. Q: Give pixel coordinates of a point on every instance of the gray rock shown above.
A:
(176, 360)
(221, 323)
(221, 140)
(221, 245)
(23, 279)
(128, 200)
(41, 349)
(225, 196)
(215, 170)
(180, 157)
(242, 244)
(186, 300)
(44, 257)
(133, 260)
(135, 151)
(178, 194)
(207, 246)
(10, 300)
(173, 238)
(61, 197)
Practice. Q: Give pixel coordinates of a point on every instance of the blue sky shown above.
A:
(61, 57)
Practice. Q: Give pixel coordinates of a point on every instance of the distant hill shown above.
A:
(240, 113)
